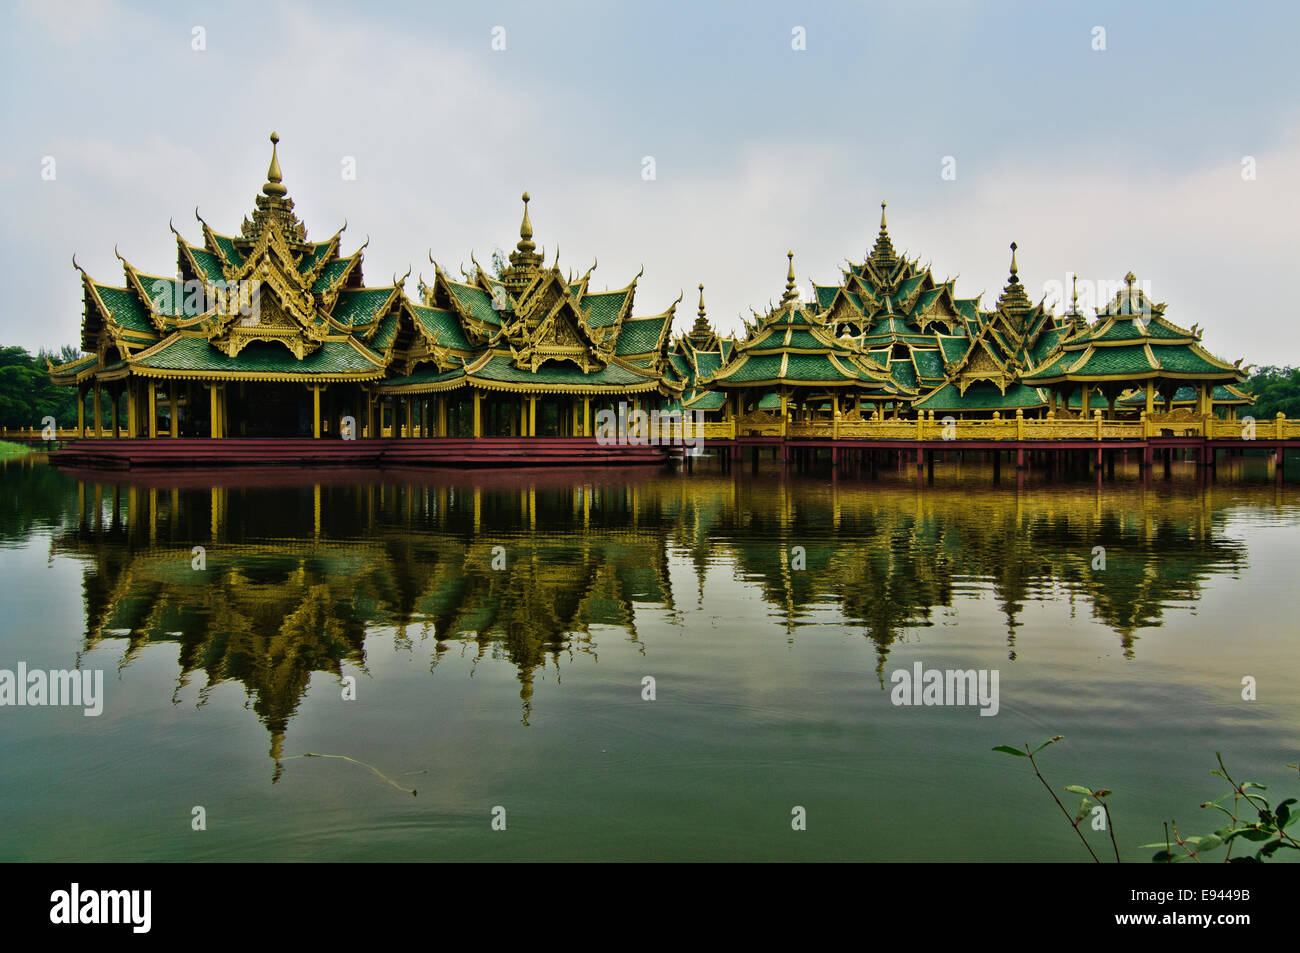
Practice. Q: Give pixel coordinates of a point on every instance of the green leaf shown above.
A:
(1078, 789)
(1007, 749)
(1253, 784)
(1050, 741)
(1209, 842)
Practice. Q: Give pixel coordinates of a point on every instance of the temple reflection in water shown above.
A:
(299, 574)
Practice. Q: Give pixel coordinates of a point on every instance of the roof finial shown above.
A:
(1014, 269)
(883, 251)
(701, 310)
(273, 174)
(1074, 297)
(791, 292)
(526, 229)
(1129, 279)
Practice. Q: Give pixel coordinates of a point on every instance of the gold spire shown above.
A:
(791, 292)
(1013, 301)
(274, 177)
(526, 230)
(525, 262)
(883, 252)
(701, 335)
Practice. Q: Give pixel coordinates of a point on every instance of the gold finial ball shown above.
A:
(526, 196)
(1013, 246)
(1130, 277)
(790, 255)
(274, 138)
(701, 287)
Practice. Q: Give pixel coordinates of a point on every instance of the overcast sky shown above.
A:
(1097, 161)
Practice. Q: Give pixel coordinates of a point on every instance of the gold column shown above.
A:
(532, 416)
(1151, 406)
(99, 424)
(214, 424)
(442, 416)
(153, 410)
(173, 410)
(586, 416)
(315, 412)
(132, 411)
(81, 412)
(478, 413)
(409, 432)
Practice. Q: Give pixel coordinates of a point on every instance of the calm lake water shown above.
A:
(499, 626)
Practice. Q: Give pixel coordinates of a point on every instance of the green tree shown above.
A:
(1276, 390)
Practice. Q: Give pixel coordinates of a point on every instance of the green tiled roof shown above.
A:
(329, 274)
(196, 354)
(983, 396)
(444, 325)
(477, 301)
(209, 264)
(500, 368)
(602, 309)
(312, 258)
(706, 400)
(355, 308)
(167, 295)
(904, 373)
(640, 335)
(227, 246)
(428, 374)
(952, 347)
(929, 364)
(125, 308)
(385, 334)
(825, 294)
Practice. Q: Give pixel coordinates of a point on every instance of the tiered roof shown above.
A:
(532, 329)
(695, 356)
(264, 305)
(791, 347)
(907, 321)
(1133, 340)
